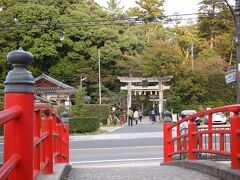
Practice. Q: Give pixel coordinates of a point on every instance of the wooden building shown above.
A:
(54, 91)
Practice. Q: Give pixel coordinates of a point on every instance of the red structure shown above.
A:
(34, 136)
(209, 141)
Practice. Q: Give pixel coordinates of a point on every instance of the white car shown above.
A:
(188, 112)
(218, 118)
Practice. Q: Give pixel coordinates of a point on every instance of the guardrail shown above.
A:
(197, 141)
(34, 136)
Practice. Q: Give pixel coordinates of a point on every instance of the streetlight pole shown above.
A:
(236, 16)
(192, 55)
(82, 79)
(99, 78)
(237, 19)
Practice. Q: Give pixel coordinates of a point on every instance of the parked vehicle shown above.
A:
(185, 113)
(217, 118)
(174, 118)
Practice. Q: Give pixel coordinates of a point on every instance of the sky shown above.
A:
(170, 6)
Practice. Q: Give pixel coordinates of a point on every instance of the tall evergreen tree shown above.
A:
(114, 8)
(148, 8)
(214, 19)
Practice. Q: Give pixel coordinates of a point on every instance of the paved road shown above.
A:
(140, 128)
(143, 141)
(127, 153)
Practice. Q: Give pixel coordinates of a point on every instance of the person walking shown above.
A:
(153, 115)
(140, 115)
(130, 117)
(136, 116)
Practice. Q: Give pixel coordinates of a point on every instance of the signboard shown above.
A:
(144, 83)
(231, 69)
(230, 77)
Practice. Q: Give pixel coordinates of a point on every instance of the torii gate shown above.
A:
(158, 88)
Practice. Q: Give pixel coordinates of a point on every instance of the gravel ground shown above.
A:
(138, 171)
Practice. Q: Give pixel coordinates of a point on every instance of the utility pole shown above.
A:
(237, 17)
(192, 55)
(82, 79)
(99, 78)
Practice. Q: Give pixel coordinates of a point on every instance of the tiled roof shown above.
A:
(54, 81)
(55, 90)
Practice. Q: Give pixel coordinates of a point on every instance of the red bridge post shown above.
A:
(210, 140)
(235, 141)
(37, 126)
(18, 134)
(167, 136)
(59, 159)
(191, 139)
(47, 126)
(66, 139)
(65, 121)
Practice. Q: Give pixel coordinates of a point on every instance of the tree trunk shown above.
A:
(211, 42)
(186, 56)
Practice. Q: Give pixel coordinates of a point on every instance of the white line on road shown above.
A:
(116, 160)
(117, 136)
(131, 147)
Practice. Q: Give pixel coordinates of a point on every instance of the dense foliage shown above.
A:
(96, 110)
(66, 48)
(84, 124)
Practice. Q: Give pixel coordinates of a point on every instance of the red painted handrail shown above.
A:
(29, 141)
(45, 136)
(192, 141)
(9, 166)
(10, 114)
(49, 139)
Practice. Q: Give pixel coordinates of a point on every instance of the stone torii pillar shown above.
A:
(158, 88)
(160, 94)
(129, 96)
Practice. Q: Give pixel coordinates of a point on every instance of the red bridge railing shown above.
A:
(34, 136)
(219, 140)
(51, 139)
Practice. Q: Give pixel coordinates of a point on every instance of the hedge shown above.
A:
(96, 110)
(103, 121)
(1, 130)
(84, 124)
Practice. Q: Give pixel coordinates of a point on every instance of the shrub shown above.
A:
(114, 122)
(1, 130)
(97, 110)
(78, 107)
(84, 124)
(103, 121)
(61, 109)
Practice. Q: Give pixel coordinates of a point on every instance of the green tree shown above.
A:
(162, 61)
(187, 90)
(106, 94)
(1, 96)
(185, 37)
(77, 110)
(215, 18)
(218, 92)
(148, 8)
(41, 41)
(114, 8)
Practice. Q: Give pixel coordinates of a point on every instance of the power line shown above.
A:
(106, 22)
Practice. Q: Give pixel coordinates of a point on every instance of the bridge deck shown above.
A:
(124, 142)
(135, 171)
